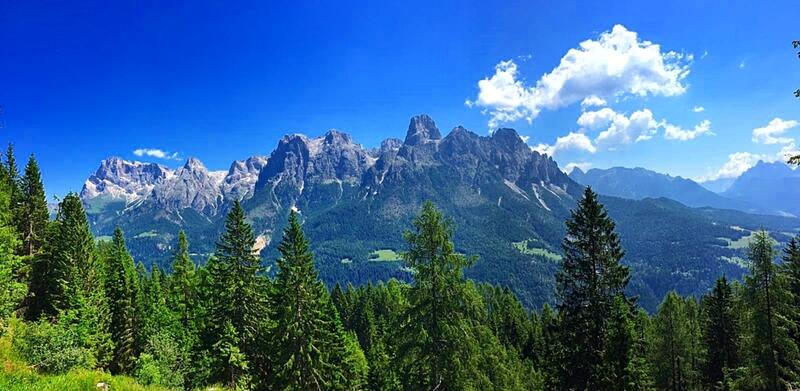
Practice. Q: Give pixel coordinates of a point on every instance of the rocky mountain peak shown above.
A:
(422, 129)
(123, 179)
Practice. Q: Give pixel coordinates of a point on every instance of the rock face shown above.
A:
(507, 202)
(154, 187)
(241, 178)
(191, 186)
(125, 180)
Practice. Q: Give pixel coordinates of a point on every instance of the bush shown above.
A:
(52, 348)
(162, 363)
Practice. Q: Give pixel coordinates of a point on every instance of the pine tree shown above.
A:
(791, 271)
(438, 321)
(306, 324)
(774, 356)
(183, 285)
(236, 294)
(31, 213)
(12, 289)
(121, 287)
(671, 344)
(620, 351)
(12, 177)
(720, 334)
(63, 276)
(590, 279)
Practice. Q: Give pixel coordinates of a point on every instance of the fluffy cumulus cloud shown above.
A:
(672, 132)
(699, 109)
(572, 141)
(773, 132)
(583, 166)
(736, 165)
(156, 153)
(739, 162)
(593, 100)
(621, 129)
(617, 63)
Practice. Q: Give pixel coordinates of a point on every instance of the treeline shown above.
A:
(89, 304)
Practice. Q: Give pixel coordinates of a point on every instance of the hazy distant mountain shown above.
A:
(718, 185)
(638, 183)
(508, 205)
(772, 186)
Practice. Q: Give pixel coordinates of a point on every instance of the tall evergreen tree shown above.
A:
(791, 270)
(307, 339)
(12, 288)
(440, 310)
(183, 284)
(671, 344)
(121, 287)
(31, 213)
(590, 279)
(12, 175)
(774, 356)
(236, 296)
(63, 277)
(720, 334)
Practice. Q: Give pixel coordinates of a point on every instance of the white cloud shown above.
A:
(156, 153)
(739, 162)
(672, 132)
(615, 64)
(583, 166)
(736, 165)
(639, 126)
(574, 140)
(594, 120)
(699, 109)
(593, 100)
(772, 132)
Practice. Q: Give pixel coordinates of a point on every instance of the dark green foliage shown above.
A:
(122, 284)
(439, 309)
(235, 308)
(12, 288)
(227, 322)
(31, 209)
(309, 344)
(773, 353)
(720, 334)
(672, 346)
(590, 280)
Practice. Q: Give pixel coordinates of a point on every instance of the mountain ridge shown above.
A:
(507, 204)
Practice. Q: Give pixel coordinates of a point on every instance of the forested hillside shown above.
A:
(507, 202)
(74, 309)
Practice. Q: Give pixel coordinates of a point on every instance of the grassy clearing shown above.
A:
(384, 255)
(16, 375)
(528, 247)
(740, 243)
(147, 234)
(736, 261)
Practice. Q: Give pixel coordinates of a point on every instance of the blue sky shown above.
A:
(81, 82)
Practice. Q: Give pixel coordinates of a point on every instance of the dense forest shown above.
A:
(69, 302)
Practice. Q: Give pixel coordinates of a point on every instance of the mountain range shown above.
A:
(766, 188)
(507, 203)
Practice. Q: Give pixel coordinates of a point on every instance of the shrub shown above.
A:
(162, 363)
(52, 348)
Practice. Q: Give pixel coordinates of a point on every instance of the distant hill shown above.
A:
(718, 185)
(771, 186)
(640, 183)
(508, 205)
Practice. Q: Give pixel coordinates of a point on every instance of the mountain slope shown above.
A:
(773, 186)
(508, 205)
(639, 183)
